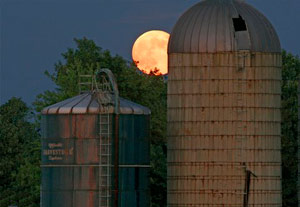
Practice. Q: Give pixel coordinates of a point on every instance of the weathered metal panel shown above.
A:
(134, 140)
(54, 108)
(134, 160)
(208, 27)
(134, 191)
(70, 159)
(224, 121)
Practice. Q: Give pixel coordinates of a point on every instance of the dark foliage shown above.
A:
(289, 127)
(148, 90)
(19, 156)
(19, 140)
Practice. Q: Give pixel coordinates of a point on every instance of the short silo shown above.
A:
(81, 137)
(224, 99)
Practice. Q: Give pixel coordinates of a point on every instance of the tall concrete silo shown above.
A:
(95, 151)
(224, 91)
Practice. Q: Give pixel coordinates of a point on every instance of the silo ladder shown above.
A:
(85, 83)
(104, 160)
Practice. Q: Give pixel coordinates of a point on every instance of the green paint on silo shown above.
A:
(71, 150)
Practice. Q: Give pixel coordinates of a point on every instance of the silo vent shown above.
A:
(239, 24)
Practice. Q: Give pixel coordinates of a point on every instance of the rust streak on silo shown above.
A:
(71, 153)
(224, 99)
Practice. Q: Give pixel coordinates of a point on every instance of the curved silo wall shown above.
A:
(224, 129)
(70, 160)
(70, 149)
(134, 160)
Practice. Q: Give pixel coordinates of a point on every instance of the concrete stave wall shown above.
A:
(224, 118)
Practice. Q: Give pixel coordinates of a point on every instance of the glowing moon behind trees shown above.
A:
(149, 52)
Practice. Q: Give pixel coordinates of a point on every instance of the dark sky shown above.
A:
(34, 33)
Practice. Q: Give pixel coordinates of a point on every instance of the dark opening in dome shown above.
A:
(223, 25)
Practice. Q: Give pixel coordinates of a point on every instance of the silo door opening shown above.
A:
(241, 34)
(239, 24)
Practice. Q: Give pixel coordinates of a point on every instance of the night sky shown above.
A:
(34, 33)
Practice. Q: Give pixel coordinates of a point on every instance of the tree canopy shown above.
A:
(289, 127)
(19, 156)
(147, 90)
(20, 144)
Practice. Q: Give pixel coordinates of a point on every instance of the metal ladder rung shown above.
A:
(104, 160)
(105, 154)
(106, 133)
(104, 175)
(85, 76)
(105, 188)
(85, 83)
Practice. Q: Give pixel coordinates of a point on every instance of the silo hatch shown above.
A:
(239, 24)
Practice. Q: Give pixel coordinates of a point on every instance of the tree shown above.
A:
(290, 76)
(148, 90)
(19, 156)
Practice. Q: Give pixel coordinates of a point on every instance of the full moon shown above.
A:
(149, 52)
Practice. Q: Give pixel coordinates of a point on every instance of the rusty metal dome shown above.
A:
(221, 26)
(87, 103)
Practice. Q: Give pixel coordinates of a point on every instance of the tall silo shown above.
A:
(224, 99)
(82, 136)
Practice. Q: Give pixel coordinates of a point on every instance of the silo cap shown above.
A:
(223, 26)
(87, 103)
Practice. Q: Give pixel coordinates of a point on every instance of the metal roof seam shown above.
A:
(71, 107)
(259, 29)
(87, 104)
(271, 30)
(250, 26)
(200, 29)
(88, 96)
(185, 28)
(58, 105)
(198, 24)
(216, 30)
(190, 33)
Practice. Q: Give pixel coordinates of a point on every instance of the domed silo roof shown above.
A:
(221, 26)
(87, 103)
